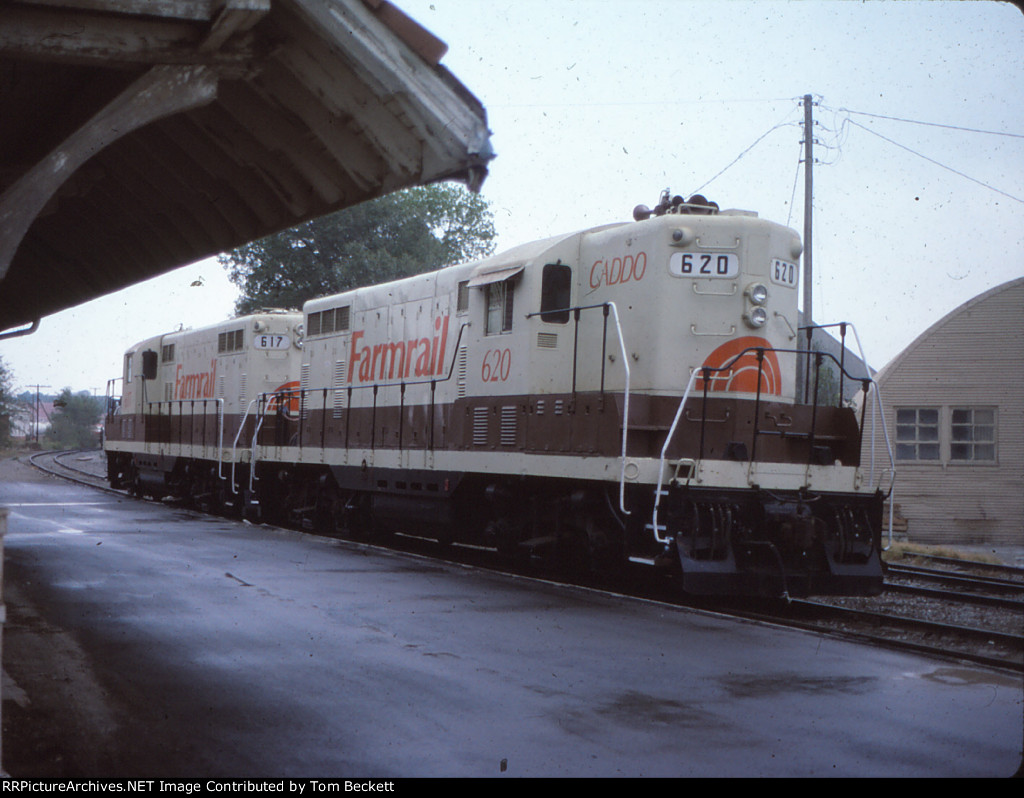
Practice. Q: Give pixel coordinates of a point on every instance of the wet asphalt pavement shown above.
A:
(145, 641)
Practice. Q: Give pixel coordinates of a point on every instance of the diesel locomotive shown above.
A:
(624, 394)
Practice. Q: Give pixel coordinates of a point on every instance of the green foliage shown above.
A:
(828, 384)
(408, 232)
(73, 425)
(8, 404)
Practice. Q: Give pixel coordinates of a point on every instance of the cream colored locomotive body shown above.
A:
(678, 290)
(192, 397)
(625, 392)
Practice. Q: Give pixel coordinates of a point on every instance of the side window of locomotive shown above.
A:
(231, 341)
(328, 321)
(462, 302)
(128, 369)
(499, 308)
(556, 293)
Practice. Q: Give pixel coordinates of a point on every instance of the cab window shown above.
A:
(556, 293)
(499, 308)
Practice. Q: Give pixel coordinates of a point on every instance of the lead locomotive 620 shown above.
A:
(639, 391)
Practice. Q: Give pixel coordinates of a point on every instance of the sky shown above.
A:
(596, 106)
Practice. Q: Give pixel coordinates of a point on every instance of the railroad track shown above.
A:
(904, 628)
(77, 465)
(1012, 583)
(974, 626)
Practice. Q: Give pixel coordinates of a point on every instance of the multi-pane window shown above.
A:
(499, 308)
(972, 434)
(917, 433)
(167, 353)
(328, 321)
(231, 341)
(946, 435)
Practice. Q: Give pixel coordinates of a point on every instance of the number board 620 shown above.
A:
(704, 264)
(784, 273)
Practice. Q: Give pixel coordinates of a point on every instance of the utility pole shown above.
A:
(37, 410)
(808, 204)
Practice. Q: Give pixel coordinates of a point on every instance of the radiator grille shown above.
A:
(303, 388)
(461, 367)
(480, 415)
(339, 387)
(508, 425)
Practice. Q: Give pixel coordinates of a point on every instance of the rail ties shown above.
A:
(990, 590)
(57, 464)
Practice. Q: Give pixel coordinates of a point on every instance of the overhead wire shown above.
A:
(931, 124)
(735, 160)
(796, 179)
(937, 163)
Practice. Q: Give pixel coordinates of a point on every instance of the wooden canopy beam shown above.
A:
(161, 92)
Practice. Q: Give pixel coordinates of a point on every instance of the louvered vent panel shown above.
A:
(303, 389)
(242, 385)
(461, 372)
(339, 387)
(480, 415)
(508, 425)
(547, 340)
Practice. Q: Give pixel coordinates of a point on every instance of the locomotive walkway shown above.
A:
(145, 641)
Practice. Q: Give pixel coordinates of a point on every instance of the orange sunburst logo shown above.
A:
(286, 397)
(740, 356)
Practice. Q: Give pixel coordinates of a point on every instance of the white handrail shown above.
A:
(881, 412)
(252, 451)
(664, 453)
(877, 406)
(234, 446)
(625, 411)
(220, 438)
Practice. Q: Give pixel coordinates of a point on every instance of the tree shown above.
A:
(8, 404)
(408, 232)
(73, 425)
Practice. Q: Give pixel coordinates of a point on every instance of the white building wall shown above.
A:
(968, 367)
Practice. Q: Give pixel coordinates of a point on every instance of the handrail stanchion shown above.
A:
(664, 452)
(234, 445)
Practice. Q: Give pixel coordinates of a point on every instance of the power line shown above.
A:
(931, 124)
(624, 103)
(738, 157)
(796, 177)
(937, 163)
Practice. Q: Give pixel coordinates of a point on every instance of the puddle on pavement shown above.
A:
(965, 676)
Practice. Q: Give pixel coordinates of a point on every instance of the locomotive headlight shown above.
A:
(757, 293)
(683, 236)
(756, 317)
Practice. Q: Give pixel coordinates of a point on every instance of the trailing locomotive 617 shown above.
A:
(623, 393)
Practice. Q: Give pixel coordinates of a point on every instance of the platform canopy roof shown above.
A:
(137, 136)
